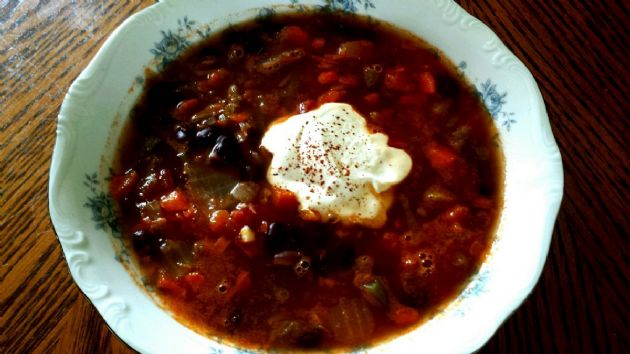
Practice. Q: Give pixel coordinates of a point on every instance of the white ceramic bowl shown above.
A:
(99, 100)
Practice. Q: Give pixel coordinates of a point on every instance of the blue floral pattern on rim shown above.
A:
(348, 5)
(101, 205)
(494, 100)
(477, 286)
(175, 42)
(495, 103)
(351, 6)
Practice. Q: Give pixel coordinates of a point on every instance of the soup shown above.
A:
(233, 255)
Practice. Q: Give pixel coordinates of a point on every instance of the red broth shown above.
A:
(230, 255)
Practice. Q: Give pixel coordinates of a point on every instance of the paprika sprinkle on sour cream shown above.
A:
(311, 181)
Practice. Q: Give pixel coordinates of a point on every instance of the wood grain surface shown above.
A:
(577, 50)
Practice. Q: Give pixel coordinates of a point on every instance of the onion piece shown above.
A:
(213, 187)
(279, 61)
(361, 49)
(287, 258)
(351, 321)
(245, 192)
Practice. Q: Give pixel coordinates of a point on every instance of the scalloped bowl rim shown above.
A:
(534, 175)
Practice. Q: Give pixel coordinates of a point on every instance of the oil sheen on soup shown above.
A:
(238, 243)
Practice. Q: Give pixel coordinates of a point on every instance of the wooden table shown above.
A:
(577, 50)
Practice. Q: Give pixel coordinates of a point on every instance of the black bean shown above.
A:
(275, 237)
(205, 137)
(282, 237)
(180, 134)
(345, 256)
(252, 173)
(165, 92)
(146, 242)
(140, 240)
(336, 257)
(226, 149)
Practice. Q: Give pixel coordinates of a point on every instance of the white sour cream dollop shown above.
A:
(334, 165)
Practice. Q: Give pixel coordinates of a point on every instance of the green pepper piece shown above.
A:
(374, 292)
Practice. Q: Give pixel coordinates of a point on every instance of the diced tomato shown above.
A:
(239, 218)
(411, 100)
(294, 35)
(284, 200)
(398, 79)
(240, 117)
(174, 201)
(122, 185)
(348, 80)
(184, 216)
(251, 249)
(372, 99)
(427, 83)
(326, 282)
(476, 248)
(218, 220)
(216, 79)
(195, 280)
(249, 95)
(483, 203)
(399, 223)
(404, 316)
(203, 247)
(331, 96)
(156, 183)
(189, 213)
(326, 61)
(390, 240)
(152, 224)
(185, 108)
(409, 262)
(327, 77)
(171, 286)
(440, 157)
(361, 49)
(220, 245)
(456, 213)
(456, 228)
(318, 43)
(242, 283)
(264, 227)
